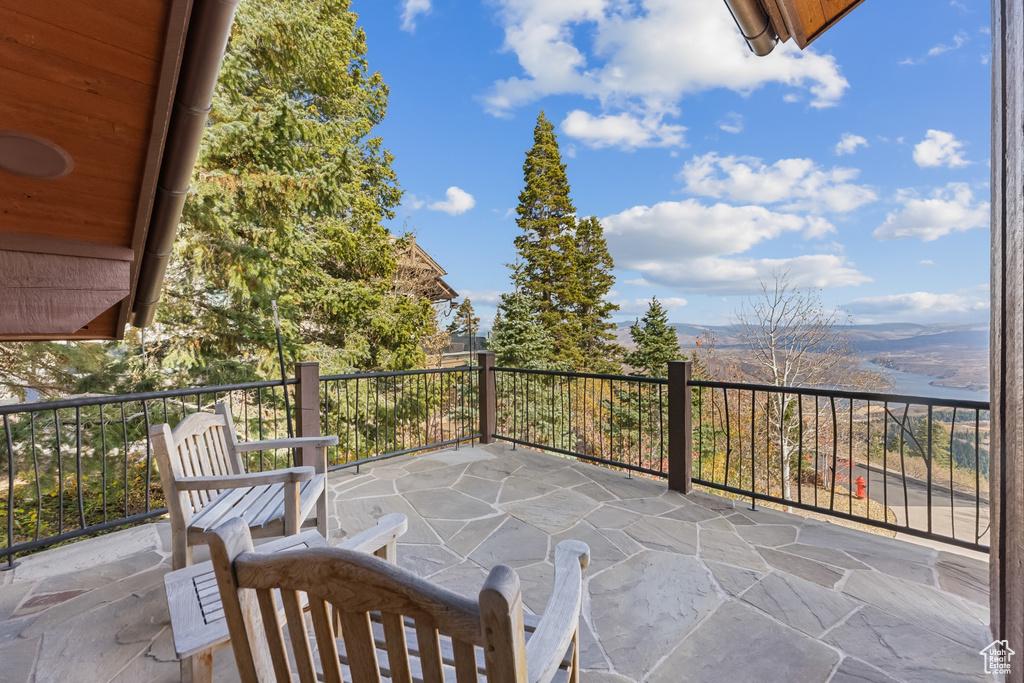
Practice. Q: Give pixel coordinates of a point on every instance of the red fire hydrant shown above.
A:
(860, 488)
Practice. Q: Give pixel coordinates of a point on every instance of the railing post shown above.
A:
(680, 427)
(307, 408)
(485, 359)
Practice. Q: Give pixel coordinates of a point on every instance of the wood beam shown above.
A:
(1006, 474)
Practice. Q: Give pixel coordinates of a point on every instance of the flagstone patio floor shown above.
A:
(694, 588)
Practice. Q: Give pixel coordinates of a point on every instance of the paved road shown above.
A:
(956, 518)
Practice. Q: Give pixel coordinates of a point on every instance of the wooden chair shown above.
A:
(386, 622)
(205, 483)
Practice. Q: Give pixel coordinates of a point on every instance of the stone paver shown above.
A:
(805, 606)
(740, 645)
(695, 588)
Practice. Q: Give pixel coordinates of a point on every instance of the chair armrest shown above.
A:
(561, 620)
(383, 536)
(231, 481)
(297, 442)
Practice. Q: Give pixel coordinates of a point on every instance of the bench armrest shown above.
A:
(297, 442)
(546, 649)
(230, 481)
(379, 539)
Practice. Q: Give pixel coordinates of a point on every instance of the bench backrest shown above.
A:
(346, 591)
(201, 445)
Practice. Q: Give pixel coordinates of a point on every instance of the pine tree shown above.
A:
(546, 249)
(464, 323)
(289, 197)
(518, 341)
(656, 342)
(594, 279)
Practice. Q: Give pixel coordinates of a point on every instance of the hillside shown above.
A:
(953, 354)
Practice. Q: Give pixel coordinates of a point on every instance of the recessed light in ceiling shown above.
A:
(31, 156)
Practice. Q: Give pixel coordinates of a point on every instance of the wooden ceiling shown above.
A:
(96, 78)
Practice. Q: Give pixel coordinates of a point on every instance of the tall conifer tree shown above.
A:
(545, 271)
(563, 265)
(593, 274)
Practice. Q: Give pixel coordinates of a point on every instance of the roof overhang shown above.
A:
(123, 90)
(765, 23)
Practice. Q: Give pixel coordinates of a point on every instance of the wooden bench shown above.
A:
(197, 617)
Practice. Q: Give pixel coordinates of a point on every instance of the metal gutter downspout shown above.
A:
(754, 24)
(209, 29)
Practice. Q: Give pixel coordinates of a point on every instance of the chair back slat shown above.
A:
(465, 662)
(429, 642)
(274, 640)
(299, 635)
(397, 647)
(357, 631)
(323, 628)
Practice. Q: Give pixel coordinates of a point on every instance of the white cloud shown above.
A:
(411, 201)
(926, 262)
(458, 201)
(958, 41)
(919, 306)
(948, 209)
(412, 9)
(643, 56)
(849, 143)
(687, 244)
(796, 184)
(733, 123)
(638, 307)
(939, 148)
(621, 130)
(488, 297)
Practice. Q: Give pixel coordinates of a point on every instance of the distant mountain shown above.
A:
(952, 354)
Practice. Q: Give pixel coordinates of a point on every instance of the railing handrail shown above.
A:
(842, 393)
(103, 399)
(588, 375)
(397, 373)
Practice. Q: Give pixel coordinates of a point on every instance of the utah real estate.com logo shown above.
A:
(997, 657)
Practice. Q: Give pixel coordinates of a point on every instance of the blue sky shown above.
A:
(859, 165)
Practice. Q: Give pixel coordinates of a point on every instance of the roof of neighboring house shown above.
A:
(425, 274)
(102, 113)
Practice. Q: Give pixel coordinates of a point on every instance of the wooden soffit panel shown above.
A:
(57, 287)
(95, 78)
(807, 19)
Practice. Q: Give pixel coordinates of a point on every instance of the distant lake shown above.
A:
(911, 384)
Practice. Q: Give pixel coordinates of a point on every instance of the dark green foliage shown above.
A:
(594, 279)
(656, 343)
(562, 264)
(519, 340)
(288, 200)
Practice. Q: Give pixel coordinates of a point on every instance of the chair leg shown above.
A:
(198, 668)
(181, 552)
(321, 511)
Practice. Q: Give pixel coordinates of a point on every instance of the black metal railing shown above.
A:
(910, 464)
(386, 414)
(78, 466)
(615, 420)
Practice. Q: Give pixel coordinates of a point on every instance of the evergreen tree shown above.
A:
(656, 342)
(288, 200)
(593, 275)
(563, 264)
(464, 323)
(545, 268)
(518, 341)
